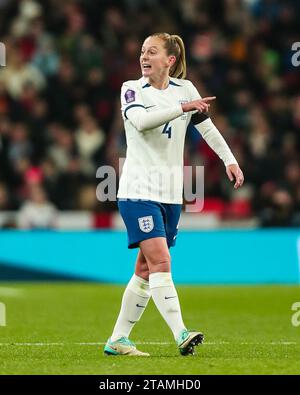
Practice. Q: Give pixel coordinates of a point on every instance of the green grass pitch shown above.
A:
(56, 328)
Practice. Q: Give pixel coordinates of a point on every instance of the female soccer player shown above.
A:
(157, 108)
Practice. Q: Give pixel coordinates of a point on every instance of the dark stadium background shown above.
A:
(60, 112)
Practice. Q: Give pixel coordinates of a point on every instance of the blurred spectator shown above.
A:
(62, 148)
(37, 212)
(87, 197)
(4, 198)
(20, 146)
(69, 185)
(17, 74)
(46, 58)
(280, 211)
(90, 139)
(87, 56)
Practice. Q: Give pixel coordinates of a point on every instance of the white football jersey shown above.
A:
(153, 169)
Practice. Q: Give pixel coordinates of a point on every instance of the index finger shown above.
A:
(209, 98)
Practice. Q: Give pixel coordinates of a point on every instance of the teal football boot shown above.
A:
(123, 346)
(187, 340)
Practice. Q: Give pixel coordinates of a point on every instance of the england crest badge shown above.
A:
(146, 224)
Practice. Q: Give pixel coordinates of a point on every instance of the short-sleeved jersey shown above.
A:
(153, 169)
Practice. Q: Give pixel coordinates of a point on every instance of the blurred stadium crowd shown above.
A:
(60, 111)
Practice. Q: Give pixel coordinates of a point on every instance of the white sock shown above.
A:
(135, 299)
(166, 300)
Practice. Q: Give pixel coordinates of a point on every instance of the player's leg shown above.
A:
(187, 339)
(134, 301)
(141, 267)
(137, 292)
(163, 291)
(162, 288)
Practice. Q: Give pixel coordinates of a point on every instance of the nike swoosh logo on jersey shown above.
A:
(170, 297)
(150, 106)
(137, 305)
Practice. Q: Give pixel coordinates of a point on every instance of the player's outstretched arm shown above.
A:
(202, 105)
(144, 120)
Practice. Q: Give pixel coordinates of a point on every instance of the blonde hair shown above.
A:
(174, 46)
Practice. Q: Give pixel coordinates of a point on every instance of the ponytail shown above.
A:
(174, 46)
(179, 68)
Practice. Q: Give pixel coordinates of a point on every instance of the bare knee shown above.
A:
(157, 254)
(159, 262)
(142, 272)
(141, 267)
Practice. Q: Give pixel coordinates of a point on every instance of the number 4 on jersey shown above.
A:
(167, 129)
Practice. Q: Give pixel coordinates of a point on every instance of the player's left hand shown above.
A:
(235, 173)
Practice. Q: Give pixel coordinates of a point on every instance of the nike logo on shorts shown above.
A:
(137, 305)
(170, 297)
